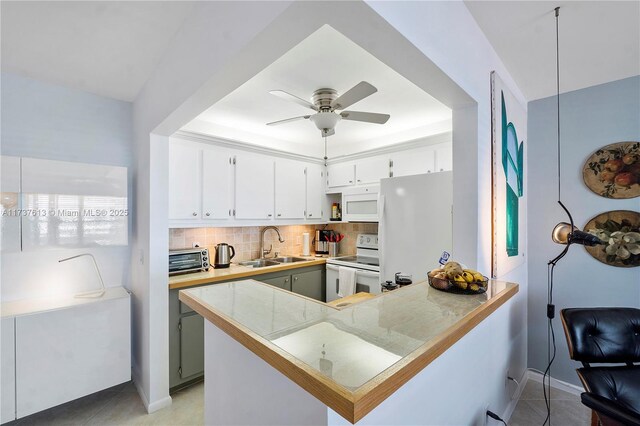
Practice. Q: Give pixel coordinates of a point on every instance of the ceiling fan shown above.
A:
(326, 102)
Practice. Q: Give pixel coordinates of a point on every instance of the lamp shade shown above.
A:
(561, 233)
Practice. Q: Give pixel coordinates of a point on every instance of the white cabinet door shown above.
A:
(7, 371)
(70, 178)
(185, 171)
(372, 169)
(341, 174)
(444, 157)
(290, 189)
(315, 191)
(10, 203)
(65, 354)
(254, 186)
(217, 194)
(413, 162)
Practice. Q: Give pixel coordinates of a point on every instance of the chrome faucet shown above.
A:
(264, 252)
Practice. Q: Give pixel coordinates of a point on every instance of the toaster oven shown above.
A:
(190, 260)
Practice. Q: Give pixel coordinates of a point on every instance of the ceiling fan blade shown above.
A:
(302, 117)
(289, 97)
(368, 117)
(353, 95)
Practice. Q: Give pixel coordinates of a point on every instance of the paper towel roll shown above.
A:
(305, 244)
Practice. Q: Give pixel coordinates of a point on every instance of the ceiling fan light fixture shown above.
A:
(325, 120)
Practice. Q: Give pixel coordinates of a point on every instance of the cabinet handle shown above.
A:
(295, 278)
(441, 170)
(279, 214)
(350, 181)
(207, 214)
(359, 180)
(286, 280)
(310, 214)
(194, 214)
(269, 215)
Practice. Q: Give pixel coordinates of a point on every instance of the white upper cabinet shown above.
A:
(444, 157)
(73, 205)
(217, 189)
(68, 178)
(341, 174)
(315, 191)
(290, 189)
(10, 203)
(413, 162)
(185, 185)
(254, 186)
(371, 169)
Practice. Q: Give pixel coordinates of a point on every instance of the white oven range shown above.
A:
(366, 262)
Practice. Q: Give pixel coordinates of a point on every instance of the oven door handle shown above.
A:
(365, 273)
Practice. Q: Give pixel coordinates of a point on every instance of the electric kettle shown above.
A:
(224, 254)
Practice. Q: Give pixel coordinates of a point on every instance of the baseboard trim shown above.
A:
(515, 397)
(159, 405)
(537, 376)
(153, 406)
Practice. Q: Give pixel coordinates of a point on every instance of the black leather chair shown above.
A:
(607, 336)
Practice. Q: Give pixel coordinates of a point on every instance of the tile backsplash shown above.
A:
(246, 239)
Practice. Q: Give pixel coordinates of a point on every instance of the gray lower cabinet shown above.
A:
(186, 327)
(191, 346)
(310, 284)
(283, 282)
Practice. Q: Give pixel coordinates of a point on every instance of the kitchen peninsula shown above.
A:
(367, 359)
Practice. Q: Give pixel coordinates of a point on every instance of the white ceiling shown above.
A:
(599, 41)
(104, 47)
(325, 59)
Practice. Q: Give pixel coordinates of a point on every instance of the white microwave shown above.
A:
(360, 204)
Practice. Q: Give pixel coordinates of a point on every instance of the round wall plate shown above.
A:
(613, 171)
(620, 229)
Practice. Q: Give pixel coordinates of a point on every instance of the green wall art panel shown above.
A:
(509, 124)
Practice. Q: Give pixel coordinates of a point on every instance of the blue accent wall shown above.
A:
(590, 118)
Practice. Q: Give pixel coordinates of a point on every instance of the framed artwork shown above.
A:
(613, 171)
(509, 130)
(620, 230)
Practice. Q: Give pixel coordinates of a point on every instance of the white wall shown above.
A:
(223, 44)
(447, 34)
(590, 118)
(42, 120)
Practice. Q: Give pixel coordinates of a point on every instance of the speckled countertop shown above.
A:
(398, 332)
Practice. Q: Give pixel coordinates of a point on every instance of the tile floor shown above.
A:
(566, 408)
(121, 405)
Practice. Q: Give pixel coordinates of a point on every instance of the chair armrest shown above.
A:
(610, 409)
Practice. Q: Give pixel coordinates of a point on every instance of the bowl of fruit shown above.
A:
(452, 277)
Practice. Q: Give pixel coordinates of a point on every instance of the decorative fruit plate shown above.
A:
(613, 171)
(450, 286)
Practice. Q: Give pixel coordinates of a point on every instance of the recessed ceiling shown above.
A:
(326, 59)
(108, 48)
(599, 41)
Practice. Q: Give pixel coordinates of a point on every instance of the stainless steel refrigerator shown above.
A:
(415, 223)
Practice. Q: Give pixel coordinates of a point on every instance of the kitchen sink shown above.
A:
(289, 259)
(258, 263)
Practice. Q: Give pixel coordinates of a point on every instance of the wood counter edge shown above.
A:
(353, 406)
(372, 393)
(321, 387)
(250, 272)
